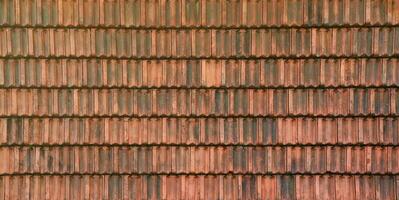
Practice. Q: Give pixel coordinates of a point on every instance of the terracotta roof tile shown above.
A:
(198, 187)
(199, 99)
(200, 43)
(196, 13)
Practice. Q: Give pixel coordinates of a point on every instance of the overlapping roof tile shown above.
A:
(199, 99)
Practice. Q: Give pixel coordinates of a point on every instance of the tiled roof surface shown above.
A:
(199, 99)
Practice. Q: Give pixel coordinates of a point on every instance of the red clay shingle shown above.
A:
(199, 99)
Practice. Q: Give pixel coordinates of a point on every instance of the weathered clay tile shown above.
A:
(326, 189)
(199, 99)
(385, 188)
(149, 187)
(198, 13)
(108, 42)
(73, 102)
(268, 73)
(209, 131)
(339, 160)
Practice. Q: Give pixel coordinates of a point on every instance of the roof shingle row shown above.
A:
(117, 43)
(255, 73)
(199, 187)
(199, 102)
(194, 13)
(199, 131)
(200, 160)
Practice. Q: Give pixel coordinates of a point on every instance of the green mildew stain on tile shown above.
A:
(311, 71)
(189, 73)
(250, 130)
(7, 73)
(269, 130)
(286, 184)
(247, 42)
(99, 41)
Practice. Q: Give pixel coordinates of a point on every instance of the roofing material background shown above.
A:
(199, 99)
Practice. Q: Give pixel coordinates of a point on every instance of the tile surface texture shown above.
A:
(199, 99)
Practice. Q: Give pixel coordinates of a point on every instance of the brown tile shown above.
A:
(171, 99)
(202, 130)
(149, 187)
(84, 73)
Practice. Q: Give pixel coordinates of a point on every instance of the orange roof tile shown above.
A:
(199, 99)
